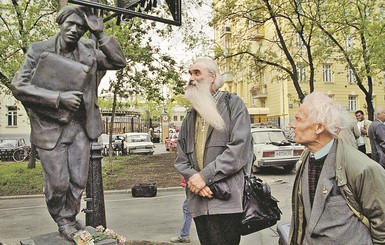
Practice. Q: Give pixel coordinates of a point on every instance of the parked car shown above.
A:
(104, 140)
(117, 142)
(171, 142)
(137, 143)
(272, 148)
(159, 130)
(8, 146)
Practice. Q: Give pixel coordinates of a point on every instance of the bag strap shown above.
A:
(360, 216)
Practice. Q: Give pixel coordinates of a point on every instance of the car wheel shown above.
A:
(288, 168)
(19, 155)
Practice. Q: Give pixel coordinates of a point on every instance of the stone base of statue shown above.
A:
(54, 238)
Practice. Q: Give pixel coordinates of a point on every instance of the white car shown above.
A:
(137, 143)
(271, 148)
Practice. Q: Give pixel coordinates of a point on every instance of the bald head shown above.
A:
(380, 114)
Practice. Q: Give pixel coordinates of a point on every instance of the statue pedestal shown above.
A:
(54, 238)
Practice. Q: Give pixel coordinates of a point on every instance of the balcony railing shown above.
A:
(258, 92)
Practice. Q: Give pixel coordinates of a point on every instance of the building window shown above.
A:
(298, 40)
(327, 73)
(349, 41)
(181, 118)
(351, 77)
(352, 103)
(175, 118)
(12, 116)
(301, 72)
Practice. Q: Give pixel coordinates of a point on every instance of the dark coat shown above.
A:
(376, 134)
(45, 131)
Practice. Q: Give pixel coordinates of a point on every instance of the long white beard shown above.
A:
(201, 99)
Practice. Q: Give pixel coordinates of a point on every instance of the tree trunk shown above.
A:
(110, 151)
(32, 157)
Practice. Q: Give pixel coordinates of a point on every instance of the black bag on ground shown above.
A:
(260, 208)
(144, 190)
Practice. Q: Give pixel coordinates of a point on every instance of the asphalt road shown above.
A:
(153, 219)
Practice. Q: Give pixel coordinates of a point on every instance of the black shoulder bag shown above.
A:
(260, 208)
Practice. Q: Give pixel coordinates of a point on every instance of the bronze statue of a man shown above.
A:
(64, 145)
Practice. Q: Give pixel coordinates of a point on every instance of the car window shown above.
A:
(138, 138)
(265, 137)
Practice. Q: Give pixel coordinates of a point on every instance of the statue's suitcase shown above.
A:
(144, 190)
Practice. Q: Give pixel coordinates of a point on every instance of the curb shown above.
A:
(109, 192)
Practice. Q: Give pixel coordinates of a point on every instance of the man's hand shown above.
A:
(206, 192)
(95, 24)
(71, 99)
(196, 183)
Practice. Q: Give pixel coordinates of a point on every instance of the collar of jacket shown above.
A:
(341, 164)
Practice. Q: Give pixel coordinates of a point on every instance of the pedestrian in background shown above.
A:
(184, 235)
(363, 142)
(338, 195)
(350, 134)
(214, 149)
(377, 136)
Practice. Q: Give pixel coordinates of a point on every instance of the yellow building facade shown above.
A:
(268, 93)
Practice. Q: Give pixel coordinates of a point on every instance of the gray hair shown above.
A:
(212, 67)
(328, 112)
(68, 10)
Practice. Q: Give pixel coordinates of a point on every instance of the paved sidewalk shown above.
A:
(154, 219)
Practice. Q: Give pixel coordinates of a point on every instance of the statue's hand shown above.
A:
(95, 23)
(71, 99)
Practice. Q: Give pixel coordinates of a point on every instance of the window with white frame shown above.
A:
(327, 73)
(352, 99)
(301, 72)
(351, 77)
(12, 116)
(299, 41)
(348, 41)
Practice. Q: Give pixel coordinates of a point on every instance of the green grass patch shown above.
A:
(17, 179)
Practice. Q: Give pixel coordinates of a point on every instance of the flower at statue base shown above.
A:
(108, 233)
(83, 237)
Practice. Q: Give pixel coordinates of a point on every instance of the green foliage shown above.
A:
(321, 27)
(22, 23)
(150, 69)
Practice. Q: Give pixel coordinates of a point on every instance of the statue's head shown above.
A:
(72, 23)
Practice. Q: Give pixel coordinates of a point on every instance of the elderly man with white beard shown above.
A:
(214, 152)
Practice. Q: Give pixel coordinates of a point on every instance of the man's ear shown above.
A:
(319, 128)
(214, 76)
